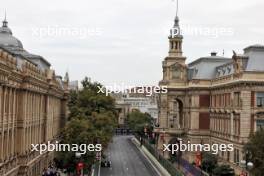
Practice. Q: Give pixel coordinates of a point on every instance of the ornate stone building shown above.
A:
(214, 100)
(32, 107)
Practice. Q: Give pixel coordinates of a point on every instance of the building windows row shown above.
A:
(221, 123)
(224, 100)
(221, 100)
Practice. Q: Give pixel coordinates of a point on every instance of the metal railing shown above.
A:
(164, 162)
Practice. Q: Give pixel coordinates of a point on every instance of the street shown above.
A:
(126, 159)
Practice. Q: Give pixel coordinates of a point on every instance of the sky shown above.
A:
(125, 41)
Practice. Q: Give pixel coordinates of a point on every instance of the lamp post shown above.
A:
(246, 164)
(79, 164)
(179, 152)
(163, 138)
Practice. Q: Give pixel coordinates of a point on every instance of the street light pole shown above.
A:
(246, 164)
(99, 170)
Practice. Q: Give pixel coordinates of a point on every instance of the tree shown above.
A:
(92, 120)
(223, 170)
(209, 162)
(255, 149)
(138, 121)
(77, 131)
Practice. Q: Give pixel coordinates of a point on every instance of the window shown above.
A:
(237, 124)
(260, 124)
(260, 99)
(204, 121)
(228, 156)
(237, 98)
(227, 99)
(204, 100)
(236, 156)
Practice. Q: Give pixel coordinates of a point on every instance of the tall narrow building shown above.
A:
(33, 106)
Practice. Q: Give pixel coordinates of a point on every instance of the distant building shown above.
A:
(74, 85)
(144, 105)
(127, 102)
(33, 106)
(214, 99)
(144, 101)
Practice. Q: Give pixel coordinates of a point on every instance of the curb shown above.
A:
(154, 162)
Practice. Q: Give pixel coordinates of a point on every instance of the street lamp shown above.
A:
(246, 164)
(163, 138)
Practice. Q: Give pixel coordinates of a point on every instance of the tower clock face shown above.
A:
(176, 72)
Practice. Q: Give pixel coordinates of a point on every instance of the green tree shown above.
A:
(223, 170)
(90, 99)
(209, 162)
(255, 150)
(137, 121)
(77, 131)
(92, 120)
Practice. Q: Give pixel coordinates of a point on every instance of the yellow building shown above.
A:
(32, 107)
(214, 100)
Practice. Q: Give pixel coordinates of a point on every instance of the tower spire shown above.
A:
(176, 31)
(5, 21)
(175, 37)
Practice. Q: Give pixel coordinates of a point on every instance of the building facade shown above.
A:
(214, 100)
(132, 100)
(33, 102)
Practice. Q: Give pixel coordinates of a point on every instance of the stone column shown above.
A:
(163, 119)
(1, 123)
(232, 125)
(245, 116)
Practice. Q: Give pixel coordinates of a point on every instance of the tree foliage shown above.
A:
(137, 121)
(223, 170)
(92, 120)
(209, 161)
(210, 165)
(255, 148)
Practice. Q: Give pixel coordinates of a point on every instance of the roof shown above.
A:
(255, 55)
(205, 67)
(209, 59)
(256, 46)
(216, 66)
(14, 46)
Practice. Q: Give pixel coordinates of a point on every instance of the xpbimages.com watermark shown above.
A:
(147, 90)
(204, 31)
(80, 148)
(182, 147)
(62, 31)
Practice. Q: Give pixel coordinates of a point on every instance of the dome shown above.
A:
(6, 37)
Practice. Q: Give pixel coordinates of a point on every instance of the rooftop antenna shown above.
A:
(177, 7)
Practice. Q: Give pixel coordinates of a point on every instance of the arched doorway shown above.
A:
(178, 113)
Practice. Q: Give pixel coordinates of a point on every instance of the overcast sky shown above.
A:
(125, 41)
